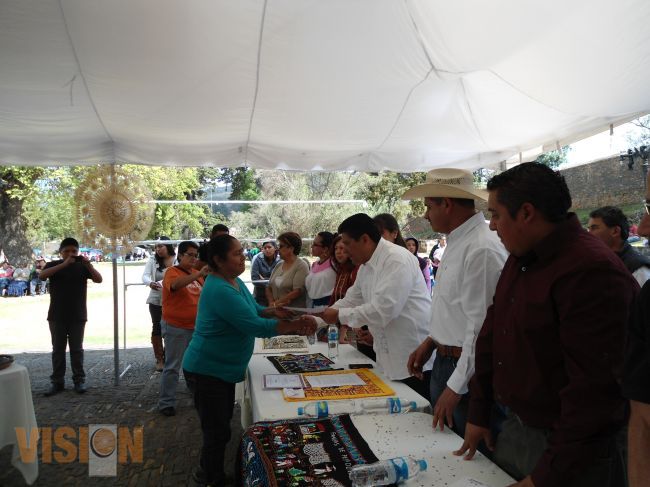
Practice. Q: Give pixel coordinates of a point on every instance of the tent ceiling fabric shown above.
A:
(311, 84)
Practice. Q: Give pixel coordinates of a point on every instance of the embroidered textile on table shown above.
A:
(285, 342)
(296, 364)
(301, 452)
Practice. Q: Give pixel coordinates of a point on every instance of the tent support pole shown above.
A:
(116, 319)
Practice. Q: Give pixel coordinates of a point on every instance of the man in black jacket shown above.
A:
(636, 379)
(611, 226)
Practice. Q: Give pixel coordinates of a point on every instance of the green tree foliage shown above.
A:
(244, 183)
(16, 186)
(270, 220)
(176, 220)
(384, 192)
(39, 203)
(553, 159)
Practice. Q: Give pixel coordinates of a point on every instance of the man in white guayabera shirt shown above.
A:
(389, 295)
(465, 284)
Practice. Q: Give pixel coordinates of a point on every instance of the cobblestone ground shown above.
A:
(171, 444)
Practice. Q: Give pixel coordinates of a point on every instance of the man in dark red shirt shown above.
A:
(551, 347)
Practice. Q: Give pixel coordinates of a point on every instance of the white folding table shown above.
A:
(259, 404)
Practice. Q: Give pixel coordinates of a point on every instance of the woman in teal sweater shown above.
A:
(227, 322)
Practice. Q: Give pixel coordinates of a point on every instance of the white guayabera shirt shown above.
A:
(465, 284)
(390, 296)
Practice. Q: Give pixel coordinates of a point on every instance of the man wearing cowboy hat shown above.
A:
(465, 284)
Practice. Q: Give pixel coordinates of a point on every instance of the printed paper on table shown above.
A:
(372, 386)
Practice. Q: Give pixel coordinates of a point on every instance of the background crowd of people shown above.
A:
(529, 336)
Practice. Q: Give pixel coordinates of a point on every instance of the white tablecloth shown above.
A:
(259, 404)
(388, 436)
(397, 435)
(17, 410)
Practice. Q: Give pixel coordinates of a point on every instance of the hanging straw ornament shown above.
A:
(113, 209)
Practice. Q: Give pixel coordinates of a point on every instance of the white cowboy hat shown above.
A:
(447, 183)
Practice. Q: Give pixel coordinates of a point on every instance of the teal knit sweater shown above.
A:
(227, 322)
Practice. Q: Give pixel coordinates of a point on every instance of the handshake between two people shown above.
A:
(296, 322)
(291, 323)
(326, 317)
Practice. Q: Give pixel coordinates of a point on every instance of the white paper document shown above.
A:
(281, 381)
(295, 393)
(468, 483)
(334, 380)
(308, 311)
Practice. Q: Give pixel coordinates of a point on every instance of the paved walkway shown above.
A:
(171, 445)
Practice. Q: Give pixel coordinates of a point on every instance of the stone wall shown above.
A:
(605, 182)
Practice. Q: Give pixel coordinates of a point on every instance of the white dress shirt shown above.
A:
(642, 274)
(465, 284)
(390, 296)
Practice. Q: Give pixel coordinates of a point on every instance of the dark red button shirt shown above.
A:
(551, 347)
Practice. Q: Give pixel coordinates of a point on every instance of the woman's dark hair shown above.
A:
(534, 183)
(160, 261)
(273, 244)
(219, 247)
(359, 224)
(187, 244)
(417, 243)
(339, 266)
(421, 260)
(327, 238)
(386, 221)
(292, 239)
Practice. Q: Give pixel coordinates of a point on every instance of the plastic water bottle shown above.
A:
(386, 472)
(323, 409)
(333, 342)
(392, 405)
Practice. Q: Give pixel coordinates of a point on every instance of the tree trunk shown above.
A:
(13, 241)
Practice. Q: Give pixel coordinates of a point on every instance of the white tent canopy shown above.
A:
(312, 84)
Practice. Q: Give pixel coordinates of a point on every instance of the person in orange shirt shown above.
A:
(182, 285)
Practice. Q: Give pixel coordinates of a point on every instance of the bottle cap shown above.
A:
(413, 405)
(301, 410)
(423, 465)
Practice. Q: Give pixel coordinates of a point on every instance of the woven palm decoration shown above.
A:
(113, 209)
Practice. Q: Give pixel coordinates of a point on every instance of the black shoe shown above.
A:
(199, 476)
(168, 411)
(200, 479)
(54, 389)
(80, 388)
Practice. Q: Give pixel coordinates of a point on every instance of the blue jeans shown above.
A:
(33, 284)
(4, 283)
(176, 341)
(442, 369)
